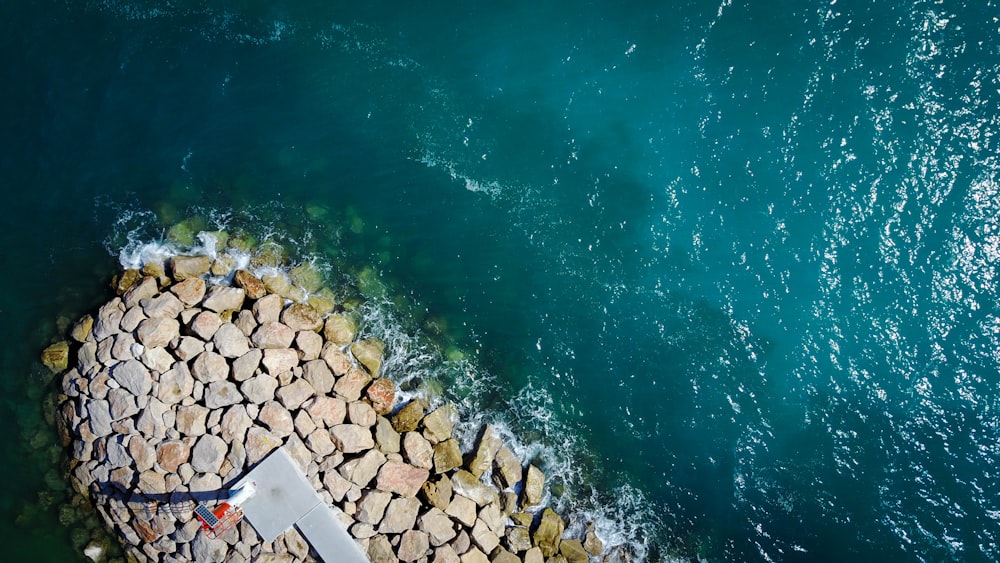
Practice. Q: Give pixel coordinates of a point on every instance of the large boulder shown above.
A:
(230, 341)
(340, 330)
(157, 332)
(208, 453)
(369, 354)
(351, 438)
(300, 316)
(533, 484)
(382, 395)
(467, 484)
(184, 267)
(190, 291)
(221, 298)
(549, 532)
(56, 357)
(486, 450)
(272, 335)
(401, 478)
(440, 423)
(251, 284)
(134, 376)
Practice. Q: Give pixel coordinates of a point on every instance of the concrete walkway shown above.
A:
(285, 498)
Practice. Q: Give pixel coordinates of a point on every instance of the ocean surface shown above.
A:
(727, 270)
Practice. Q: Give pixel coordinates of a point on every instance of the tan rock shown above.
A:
(369, 354)
(372, 507)
(408, 418)
(336, 484)
(260, 388)
(400, 515)
(362, 470)
(474, 555)
(533, 487)
(209, 367)
(230, 342)
(494, 518)
(501, 555)
(82, 329)
(334, 357)
(191, 420)
(486, 450)
(330, 411)
(437, 493)
(350, 385)
(507, 468)
(109, 318)
(184, 267)
(517, 539)
(252, 286)
(190, 291)
(208, 454)
(277, 361)
(295, 393)
(380, 550)
(127, 280)
(158, 332)
(483, 537)
(246, 365)
(204, 325)
(164, 305)
(276, 418)
(222, 298)
(220, 394)
(447, 456)
(591, 543)
(318, 374)
(534, 555)
(440, 423)
(172, 453)
(309, 345)
(573, 551)
(413, 545)
(340, 330)
(361, 414)
(321, 442)
(445, 554)
(300, 316)
(188, 348)
(466, 484)
(56, 357)
(386, 438)
(548, 534)
(157, 359)
(438, 526)
(143, 289)
(259, 443)
(272, 335)
(246, 322)
(234, 424)
(417, 450)
(267, 309)
(351, 438)
(462, 509)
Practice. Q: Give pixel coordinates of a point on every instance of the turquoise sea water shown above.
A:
(729, 270)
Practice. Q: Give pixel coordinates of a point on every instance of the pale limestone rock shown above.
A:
(121, 403)
(109, 318)
(483, 537)
(309, 344)
(340, 330)
(350, 385)
(533, 484)
(413, 545)
(188, 347)
(209, 367)
(462, 509)
(267, 309)
(534, 555)
(191, 420)
(386, 438)
(295, 393)
(208, 454)
(164, 306)
(259, 443)
(221, 394)
(121, 350)
(401, 478)
(369, 354)
(380, 550)
(320, 442)
(445, 554)
(190, 291)
(246, 322)
(517, 539)
(400, 515)
(279, 360)
(230, 341)
(438, 526)
(351, 438)
(234, 424)
(507, 468)
(144, 289)
(222, 298)
(152, 421)
(466, 484)
(418, 451)
(474, 555)
(157, 332)
(142, 452)
(329, 411)
(304, 424)
(260, 388)
(157, 359)
(276, 418)
(336, 484)
(318, 374)
(501, 555)
(493, 517)
(299, 452)
(362, 470)
(361, 414)
(132, 318)
(337, 360)
(372, 507)
(272, 335)
(186, 267)
(486, 450)
(204, 325)
(246, 365)
(134, 376)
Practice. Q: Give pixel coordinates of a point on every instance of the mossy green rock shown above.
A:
(340, 329)
(573, 551)
(81, 330)
(549, 533)
(56, 356)
(306, 276)
(369, 353)
(123, 282)
(409, 417)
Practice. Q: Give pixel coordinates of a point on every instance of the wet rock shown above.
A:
(409, 417)
(517, 539)
(82, 329)
(300, 316)
(386, 438)
(486, 450)
(340, 330)
(549, 532)
(190, 291)
(447, 456)
(157, 332)
(466, 484)
(252, 286)
(533, 483)
(56, 357)
(439, 424)
(185, 267)
(221, 298)
(573, 551)
(591, 543)
(369, 354)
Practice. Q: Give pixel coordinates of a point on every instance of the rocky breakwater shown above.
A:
(175, 389)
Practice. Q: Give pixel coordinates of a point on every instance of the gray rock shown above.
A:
(272, 335)
(386, 437)
(351, 438)
(400, 515)
(260, 388)
(191, 420)
(116, 452)
(230, 341)
(122, 348)
(204, 325)
(372, 507)
(445, 554)
(318, 374)
(208, 454)
(438, 526)
(483, 537)
(279, 360)
(164, 305)
(299, 452)
(234, 423)
(157, 332)
(134, 376)
(417, 450)
(109, 318)
(304, 424)
(145, 289)
(295, 393)
(221, 394)
(413, 545)
(175, 384)
(209, 367)
(246, 365)
(151, 421)
(207, 550)
(121, 403)
(336, 484)
(222, 298)
(474, 555)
